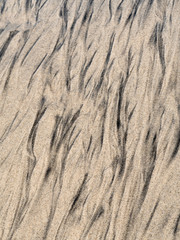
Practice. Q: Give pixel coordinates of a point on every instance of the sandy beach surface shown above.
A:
(89, 120)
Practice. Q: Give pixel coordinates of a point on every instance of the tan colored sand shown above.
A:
(89, 120)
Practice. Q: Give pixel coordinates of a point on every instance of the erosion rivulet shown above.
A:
(89, 120)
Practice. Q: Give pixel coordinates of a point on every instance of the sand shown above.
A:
(89, 120)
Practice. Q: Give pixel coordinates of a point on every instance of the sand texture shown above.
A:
(89, 120)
